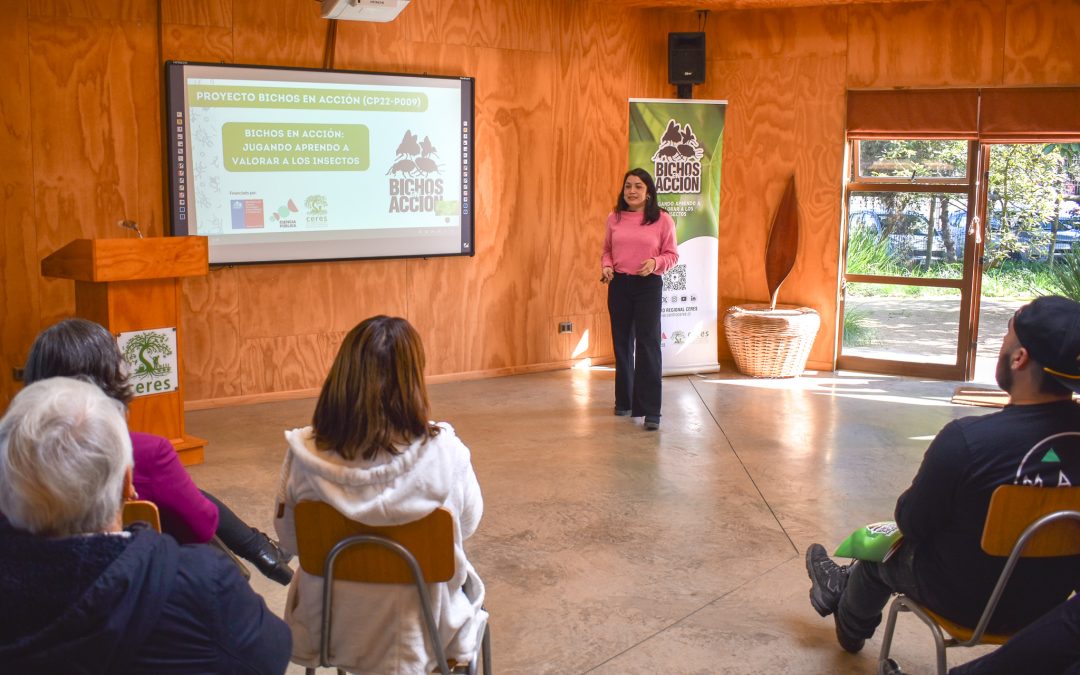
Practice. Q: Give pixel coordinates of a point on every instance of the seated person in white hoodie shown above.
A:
(372, 454)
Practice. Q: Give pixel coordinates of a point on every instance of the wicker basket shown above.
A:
(771, 342)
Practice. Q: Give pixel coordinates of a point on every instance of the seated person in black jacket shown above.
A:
(80, 594)
(940, 562)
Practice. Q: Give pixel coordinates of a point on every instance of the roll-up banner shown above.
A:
(680, 142)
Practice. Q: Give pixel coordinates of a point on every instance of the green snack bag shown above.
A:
(875, 542)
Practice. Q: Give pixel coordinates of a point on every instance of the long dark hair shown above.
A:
(77, 347)
(374, 396)
(652, 208)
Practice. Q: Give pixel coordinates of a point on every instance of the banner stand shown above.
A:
(680, 142)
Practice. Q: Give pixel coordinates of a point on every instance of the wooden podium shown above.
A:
(134, 285)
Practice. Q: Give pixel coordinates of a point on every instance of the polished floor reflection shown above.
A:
(609, 549)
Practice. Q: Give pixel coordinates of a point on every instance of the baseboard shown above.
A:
(292, 395)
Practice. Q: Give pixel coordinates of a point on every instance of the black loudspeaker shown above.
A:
(686, 58)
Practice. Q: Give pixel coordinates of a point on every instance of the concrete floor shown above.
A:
(608, 549)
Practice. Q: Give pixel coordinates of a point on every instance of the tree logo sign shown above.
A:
(151, 358)
(677, 160)
(416, 184)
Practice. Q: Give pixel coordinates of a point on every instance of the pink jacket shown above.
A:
(160, 477)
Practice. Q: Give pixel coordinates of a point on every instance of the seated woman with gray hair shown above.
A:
(82, 593)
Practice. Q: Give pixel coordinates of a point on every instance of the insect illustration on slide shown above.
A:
(415, 158)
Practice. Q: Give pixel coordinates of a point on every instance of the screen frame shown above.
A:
(175, 101)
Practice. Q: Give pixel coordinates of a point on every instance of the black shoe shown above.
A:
(850, 644)
(621, 412)
(652, 423)
(827, 580)
(890, 667)
(272, 560)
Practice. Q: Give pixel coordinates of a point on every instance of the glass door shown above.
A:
(910, 248)
(1032, 238)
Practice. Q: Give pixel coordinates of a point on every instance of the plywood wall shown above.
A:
(82, 144)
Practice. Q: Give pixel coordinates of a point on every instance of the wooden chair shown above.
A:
(418, 553)
(1022, 521)
(138, 510)
(142, 510)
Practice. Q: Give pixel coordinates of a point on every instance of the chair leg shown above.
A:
(309, 671)
(935, 630)
(486, 648)
(887, 636)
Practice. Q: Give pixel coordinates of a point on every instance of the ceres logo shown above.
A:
(151, 357)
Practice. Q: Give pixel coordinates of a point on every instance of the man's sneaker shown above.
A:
(827, 580)
(850, 644)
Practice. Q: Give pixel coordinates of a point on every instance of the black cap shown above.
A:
(1049, 329)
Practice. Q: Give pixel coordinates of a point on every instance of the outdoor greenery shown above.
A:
(857, 331)
(1065, 276)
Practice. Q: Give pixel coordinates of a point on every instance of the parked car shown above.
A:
(1032, 244)
(904, 233)
(958, 223)
(1038, 241)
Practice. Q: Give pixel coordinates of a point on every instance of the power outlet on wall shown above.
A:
(566, 327)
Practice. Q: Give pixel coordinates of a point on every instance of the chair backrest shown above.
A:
(430, 540)
(1014, 507)
(142, 510)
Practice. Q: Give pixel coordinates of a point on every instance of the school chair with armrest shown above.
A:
(137, 510)
(335, 548)
(1023, 521)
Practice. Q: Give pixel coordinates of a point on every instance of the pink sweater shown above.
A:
(627, 243)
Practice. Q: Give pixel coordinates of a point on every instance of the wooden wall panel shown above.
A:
(182, 42)
(96, 136)
(1041, 42)
(289, 363)
(509, 25)
(486, 312)
(303, 298)
(109, 10)
(18, 245)
(934, 44)
(210, 317)
(781, 34)
(279, 33)
(217, 13)
(591, 134)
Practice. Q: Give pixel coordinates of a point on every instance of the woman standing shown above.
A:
(372, 454)
(639, 246)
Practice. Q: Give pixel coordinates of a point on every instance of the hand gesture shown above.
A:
(607, 274)
(648, 266)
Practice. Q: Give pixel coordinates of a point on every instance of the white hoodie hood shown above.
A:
(389, 490)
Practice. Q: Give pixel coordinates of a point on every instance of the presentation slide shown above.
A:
(279, 164)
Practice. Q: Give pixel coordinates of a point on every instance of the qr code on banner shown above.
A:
(675, 278)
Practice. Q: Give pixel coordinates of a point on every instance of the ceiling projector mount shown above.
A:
(379, 11)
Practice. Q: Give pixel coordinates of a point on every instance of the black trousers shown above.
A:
(240, 537)
(634, 305)
(869, 587)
